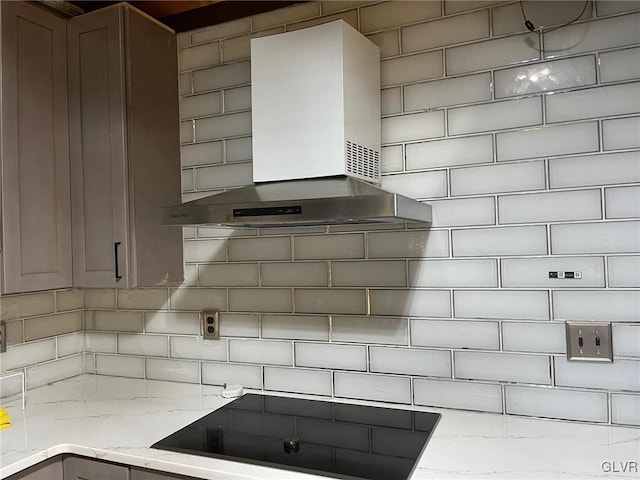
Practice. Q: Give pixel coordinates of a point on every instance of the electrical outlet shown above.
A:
(3, 337)
(211, 325)
(589, 341)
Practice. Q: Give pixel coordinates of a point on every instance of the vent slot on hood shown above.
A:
(363, 162)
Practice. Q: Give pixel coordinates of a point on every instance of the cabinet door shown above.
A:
(35, 150)
(48, 470)
(146, 474)
(97, 149)
(78, 468)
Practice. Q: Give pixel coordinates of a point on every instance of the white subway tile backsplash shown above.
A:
(48, 326)
(239, 48)
(542, 337)
(99, 298)
(228, 275)
(410, 361)
(557, 403)
(238, 149)
(485, 397)
(275, 248)
(415, 126)
(626, 339)
(385, 330)
(621, 133)
(542, 13)
(545, 77)
(453, 273)
(604, 237)
(390, 101)
(608, 168)
(144, 298)
(369, 274)
(503, 367)
(522, 112)
(534, 272)
(263, 352)
(619, 375)
(300, 274)
(199, 56)
(223, 30)
(450, 152)
(412, 303)
(507, 304)
(449, 91)
(237, 99)
(458, 6)
(391, 159)
(597, 305)
(205, 251)
(309, 300)
(186, 132)
(455, 334)
(408, 244)
(411, 68)
(223, 76)
(381, 388)
(295, 327)
(260, 300)
(172, 370)
(98, 342)
(593, 102)
(595, 35)
(463, 212)
(417, 185)
(115, 321)
(387, 41)
(197, 348)
(317, 247)
(446, 31)
(492, 53)
(172, 322)
(69, 300)
(351, 17)
(201, 105)
(198, 298)
(610, 7)
(26, 305)
(625, 409)
(550, 207)
(249, 376)
(29, 353)
(120, 366)
(145, 345)
(331, 355)
(298, 380)
(286, 15)
(547, 141)
(185, 83)
(46, 373)
(508, 177)
(187, 180)
(624, 271)
(392, 14)
(622, 202)
(619, 65)
(221, 126)
(239, 325)
(503, 241)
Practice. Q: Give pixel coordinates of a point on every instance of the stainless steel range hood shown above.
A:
(323, 201)
(315, 101)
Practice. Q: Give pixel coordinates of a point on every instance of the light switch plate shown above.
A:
(589, 341)
(211, 324)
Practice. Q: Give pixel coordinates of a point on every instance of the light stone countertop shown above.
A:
(117, 419)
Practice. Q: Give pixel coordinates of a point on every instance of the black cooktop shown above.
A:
(339, 440)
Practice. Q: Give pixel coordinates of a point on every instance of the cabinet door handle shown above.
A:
(115, 251)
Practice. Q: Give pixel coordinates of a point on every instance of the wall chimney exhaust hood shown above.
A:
(315, 100)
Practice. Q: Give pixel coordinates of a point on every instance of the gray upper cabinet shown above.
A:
(36, 216)
(124, 149)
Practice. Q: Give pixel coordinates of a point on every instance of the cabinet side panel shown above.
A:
(35, 150)
(154, 150)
